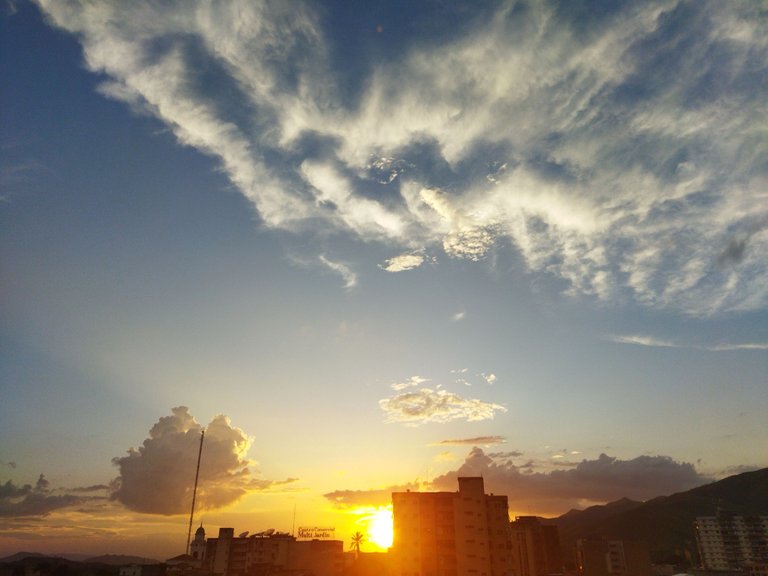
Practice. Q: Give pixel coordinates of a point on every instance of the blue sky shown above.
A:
(388, 241)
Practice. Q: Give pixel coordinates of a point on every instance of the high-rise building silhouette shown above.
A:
(464, 533)
(604, 557)
(535, 547)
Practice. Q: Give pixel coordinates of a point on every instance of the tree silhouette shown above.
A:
(357, 540)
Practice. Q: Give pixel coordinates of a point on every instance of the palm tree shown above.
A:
(357, 540)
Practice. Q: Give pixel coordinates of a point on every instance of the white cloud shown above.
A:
(565, 138)
(458, 316)
(746, 346)
(403, 262)
(158, 476)
(412, 382)
(642, 340)
(427, 405)
(347, 274)
(490, 378)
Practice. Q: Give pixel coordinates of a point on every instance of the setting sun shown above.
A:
(379, 528)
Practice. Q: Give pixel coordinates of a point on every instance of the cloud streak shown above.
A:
(346, 273)
(607, 156)
(651, 341)
(477, 440)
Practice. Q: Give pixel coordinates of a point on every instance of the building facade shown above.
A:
(271, 553)
(731, 542)
(464, 533)
(602, 557)
(535, 547)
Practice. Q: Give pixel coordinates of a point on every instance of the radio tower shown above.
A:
(194, 492)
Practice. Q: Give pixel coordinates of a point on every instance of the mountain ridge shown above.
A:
(665, 523)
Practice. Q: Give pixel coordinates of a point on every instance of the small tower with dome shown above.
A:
(197, 547)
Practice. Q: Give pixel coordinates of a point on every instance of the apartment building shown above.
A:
(604, 557)
(271, 553)
(731, 542)
(536, 547)
(463, 533)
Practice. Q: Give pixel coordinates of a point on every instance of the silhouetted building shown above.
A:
(535, 547)
(464, 533)
(730, 542)
(197, 546)
(271, 553)
(601, 557)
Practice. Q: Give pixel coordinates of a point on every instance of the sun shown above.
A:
(380, 528)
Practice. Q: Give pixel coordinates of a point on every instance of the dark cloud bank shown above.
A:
(590, 481)
(37, 500)
(555, 492)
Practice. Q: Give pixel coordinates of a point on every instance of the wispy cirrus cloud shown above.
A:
(428, 405)
(590, 144)
(346, 273)
(642, 340)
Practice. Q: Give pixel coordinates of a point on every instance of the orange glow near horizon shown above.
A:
(380, 528)
(376, 524)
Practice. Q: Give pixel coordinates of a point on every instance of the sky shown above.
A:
(373, 246)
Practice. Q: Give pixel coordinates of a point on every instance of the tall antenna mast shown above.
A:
(194, 492)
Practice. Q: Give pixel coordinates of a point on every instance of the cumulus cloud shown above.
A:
(427, 405)
(598, 149)
(158, 477)
(587, 482)
(37, 500)
(477, 440)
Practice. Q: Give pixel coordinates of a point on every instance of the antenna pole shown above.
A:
(194, 492)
